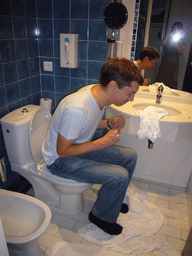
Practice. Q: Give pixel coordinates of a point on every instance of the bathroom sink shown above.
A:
(172, 111)
(171, 95)
(172, 92)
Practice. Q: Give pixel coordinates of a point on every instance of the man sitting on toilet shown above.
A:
(70, 152)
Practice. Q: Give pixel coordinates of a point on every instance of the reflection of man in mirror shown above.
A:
(173, 46)
(147, 60)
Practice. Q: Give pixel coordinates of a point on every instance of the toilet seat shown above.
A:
(38, 132)
(37, 135)
(58, 180)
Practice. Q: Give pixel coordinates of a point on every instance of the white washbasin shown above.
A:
(172, 111)
(172, 92)
(170, 160)
(172, 96)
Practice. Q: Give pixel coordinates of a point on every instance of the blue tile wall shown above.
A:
(19, 63)
(29, 35)
(61, 9)
(79, 9)
(82, 17)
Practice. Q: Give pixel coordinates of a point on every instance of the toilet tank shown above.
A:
(16, 133)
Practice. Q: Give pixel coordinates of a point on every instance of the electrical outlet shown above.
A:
(48, 65)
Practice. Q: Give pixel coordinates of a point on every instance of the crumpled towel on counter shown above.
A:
(154, 87)
(149, 122)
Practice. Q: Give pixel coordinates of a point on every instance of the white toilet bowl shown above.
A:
(62, 195)
(24, 219)
(24, 131)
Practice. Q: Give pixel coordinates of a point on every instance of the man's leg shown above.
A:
(120, 156)
(113, 167)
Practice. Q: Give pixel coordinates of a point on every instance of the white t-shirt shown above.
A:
(76, 117)
(136, 64)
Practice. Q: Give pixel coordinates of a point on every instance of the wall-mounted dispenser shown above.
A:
(69, 50)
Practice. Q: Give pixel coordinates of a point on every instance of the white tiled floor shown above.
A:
(170, 199)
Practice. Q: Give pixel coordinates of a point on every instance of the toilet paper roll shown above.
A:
(47, 103)
(119, 49)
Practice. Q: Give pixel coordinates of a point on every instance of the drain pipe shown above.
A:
(3, 176)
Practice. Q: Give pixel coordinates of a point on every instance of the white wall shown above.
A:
(126, 32)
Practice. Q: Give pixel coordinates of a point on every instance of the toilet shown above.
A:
(24, 218)
(24, 131)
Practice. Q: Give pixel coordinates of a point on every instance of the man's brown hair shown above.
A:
(120, 70)
(150, 52)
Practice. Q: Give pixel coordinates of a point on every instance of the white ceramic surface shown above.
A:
(24, 219)
(173, 96)
(170, 160)
(24, 130)
(172, 111)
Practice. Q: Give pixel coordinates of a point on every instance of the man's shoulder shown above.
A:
(86, 88)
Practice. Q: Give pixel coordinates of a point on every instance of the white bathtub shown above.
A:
(170, 160)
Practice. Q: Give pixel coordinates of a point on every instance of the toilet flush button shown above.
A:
(24, 110)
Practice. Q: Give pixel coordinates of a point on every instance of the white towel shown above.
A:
(154, 88)
(71, 249)
(143, 218)
(140, 226)
(149, 122)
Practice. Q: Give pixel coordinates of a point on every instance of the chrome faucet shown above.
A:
(159, 94)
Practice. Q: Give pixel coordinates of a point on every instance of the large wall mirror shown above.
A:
(155, 20)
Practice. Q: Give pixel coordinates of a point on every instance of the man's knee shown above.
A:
(133, 154)
(123, 174)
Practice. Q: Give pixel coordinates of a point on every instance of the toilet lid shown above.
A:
(38, 130)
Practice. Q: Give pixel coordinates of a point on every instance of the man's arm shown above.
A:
(181, 49)
(113, 122)
(67, 148)
(164, 40)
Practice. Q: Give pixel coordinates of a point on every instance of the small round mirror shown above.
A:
(115, 15)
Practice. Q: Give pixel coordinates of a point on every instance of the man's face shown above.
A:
(149, 64)
(126, 94)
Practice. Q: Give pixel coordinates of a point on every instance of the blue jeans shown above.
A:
(112, 166)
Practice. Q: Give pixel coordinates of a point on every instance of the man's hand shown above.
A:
(111, 137)
(117, 122)
(146, 82)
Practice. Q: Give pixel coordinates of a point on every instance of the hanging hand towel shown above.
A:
(149, 122)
